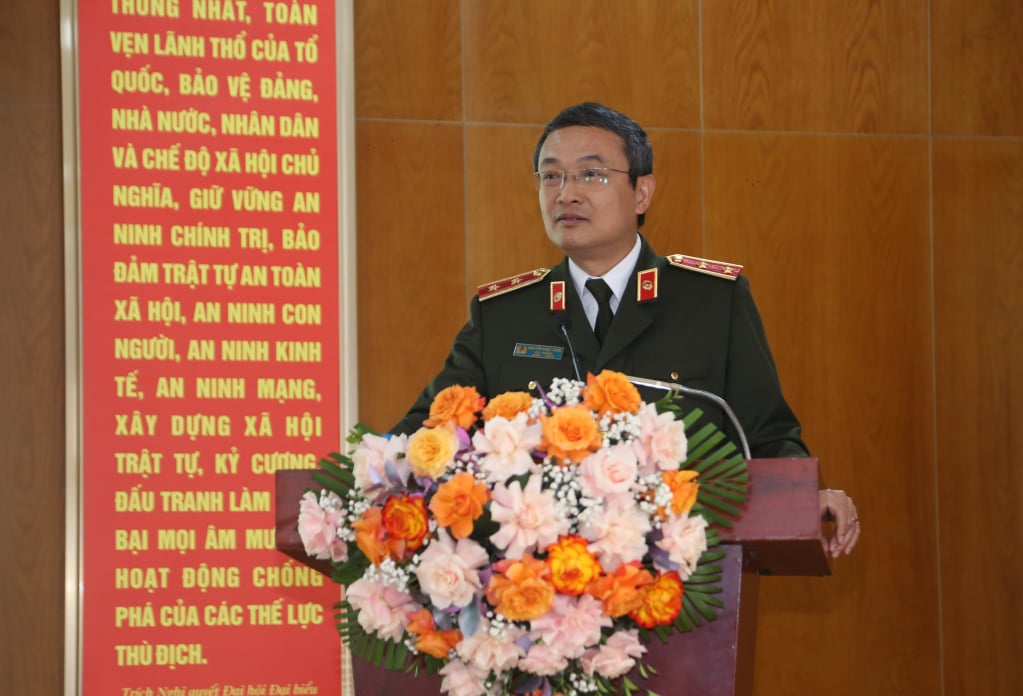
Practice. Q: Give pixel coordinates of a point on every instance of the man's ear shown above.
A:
(645, 186)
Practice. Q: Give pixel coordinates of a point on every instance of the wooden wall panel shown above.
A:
(526, 60)
(977, 66)
(411, 263)
(409, 60)
(674, 222)
(816, 65)
(978, 259)
(505, 233)
(32, 374)
(834, 232)
(32, 411)
(29, 53)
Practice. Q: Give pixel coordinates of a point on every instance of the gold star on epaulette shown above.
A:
(499, 287)
(730, 271)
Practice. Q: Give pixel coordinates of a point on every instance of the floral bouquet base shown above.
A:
(535, 544)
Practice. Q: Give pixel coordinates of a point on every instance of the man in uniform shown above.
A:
(613, 303)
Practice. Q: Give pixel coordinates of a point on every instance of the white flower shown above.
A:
(505, 446)
(449, 572)
(371, 457)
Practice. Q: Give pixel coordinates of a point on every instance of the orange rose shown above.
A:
(572, 565)
(508, 405)
(405, 518)
(683, 490)
(372, 539)
(611, 392)
(431, 450)
(621, 591)
(431, 641)
(458, 502)
(455, 404)
(570, 433)
(662, 602)
(519, 590)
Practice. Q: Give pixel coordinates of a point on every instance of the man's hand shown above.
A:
(837, 507)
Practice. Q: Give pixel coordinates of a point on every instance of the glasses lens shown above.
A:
(554, 178)
(550, 178)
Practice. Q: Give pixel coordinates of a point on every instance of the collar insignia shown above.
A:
(646, 285)
(558, 303)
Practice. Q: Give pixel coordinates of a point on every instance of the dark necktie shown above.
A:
(600, 290)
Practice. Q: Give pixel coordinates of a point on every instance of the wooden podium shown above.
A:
(778, 534)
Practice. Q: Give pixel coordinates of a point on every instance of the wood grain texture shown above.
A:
(32, 410)
(505, 233)
(30, 53)
(409, 60)
(411, 261)
(977, 66)
(31, 350)
(978, 262)
(816, 65)
(526, 60)
(834, 232)
(674, 222)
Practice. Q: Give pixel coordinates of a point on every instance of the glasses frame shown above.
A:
(601, 179)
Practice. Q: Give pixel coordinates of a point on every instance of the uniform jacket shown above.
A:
(701, 331)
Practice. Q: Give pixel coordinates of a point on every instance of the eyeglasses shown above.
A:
(590, 176)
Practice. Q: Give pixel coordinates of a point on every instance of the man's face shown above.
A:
(594, 224)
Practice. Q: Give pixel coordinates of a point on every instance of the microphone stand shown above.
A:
(677, 389)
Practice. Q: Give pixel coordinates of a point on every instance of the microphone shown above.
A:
(565, 322)
(676, 389)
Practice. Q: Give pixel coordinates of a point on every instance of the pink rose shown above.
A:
(318, 526)
(572, 625)
(461, 679)
(492, 653)
(617, 532)
(609, 471)
(383, 609)
(662, 443)
(528, 517)
(543, 660)
(449, 572)
(685, 540)
(616, 657)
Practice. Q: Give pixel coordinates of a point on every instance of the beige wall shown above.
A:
(863, 159)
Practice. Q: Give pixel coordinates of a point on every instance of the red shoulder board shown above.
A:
(499, 287)
(720, 269)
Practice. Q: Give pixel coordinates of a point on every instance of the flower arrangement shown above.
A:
(529, 543)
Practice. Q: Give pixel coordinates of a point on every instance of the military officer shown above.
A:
(614, 303)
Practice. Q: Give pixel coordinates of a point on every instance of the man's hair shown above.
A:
(637, 146)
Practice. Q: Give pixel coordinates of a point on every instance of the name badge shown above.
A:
(535, 350)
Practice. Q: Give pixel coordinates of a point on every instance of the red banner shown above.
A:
(210, 340)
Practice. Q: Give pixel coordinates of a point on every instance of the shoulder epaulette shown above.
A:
(500, 287)
(720, 269)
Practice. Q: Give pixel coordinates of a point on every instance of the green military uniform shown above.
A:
(675, 323)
